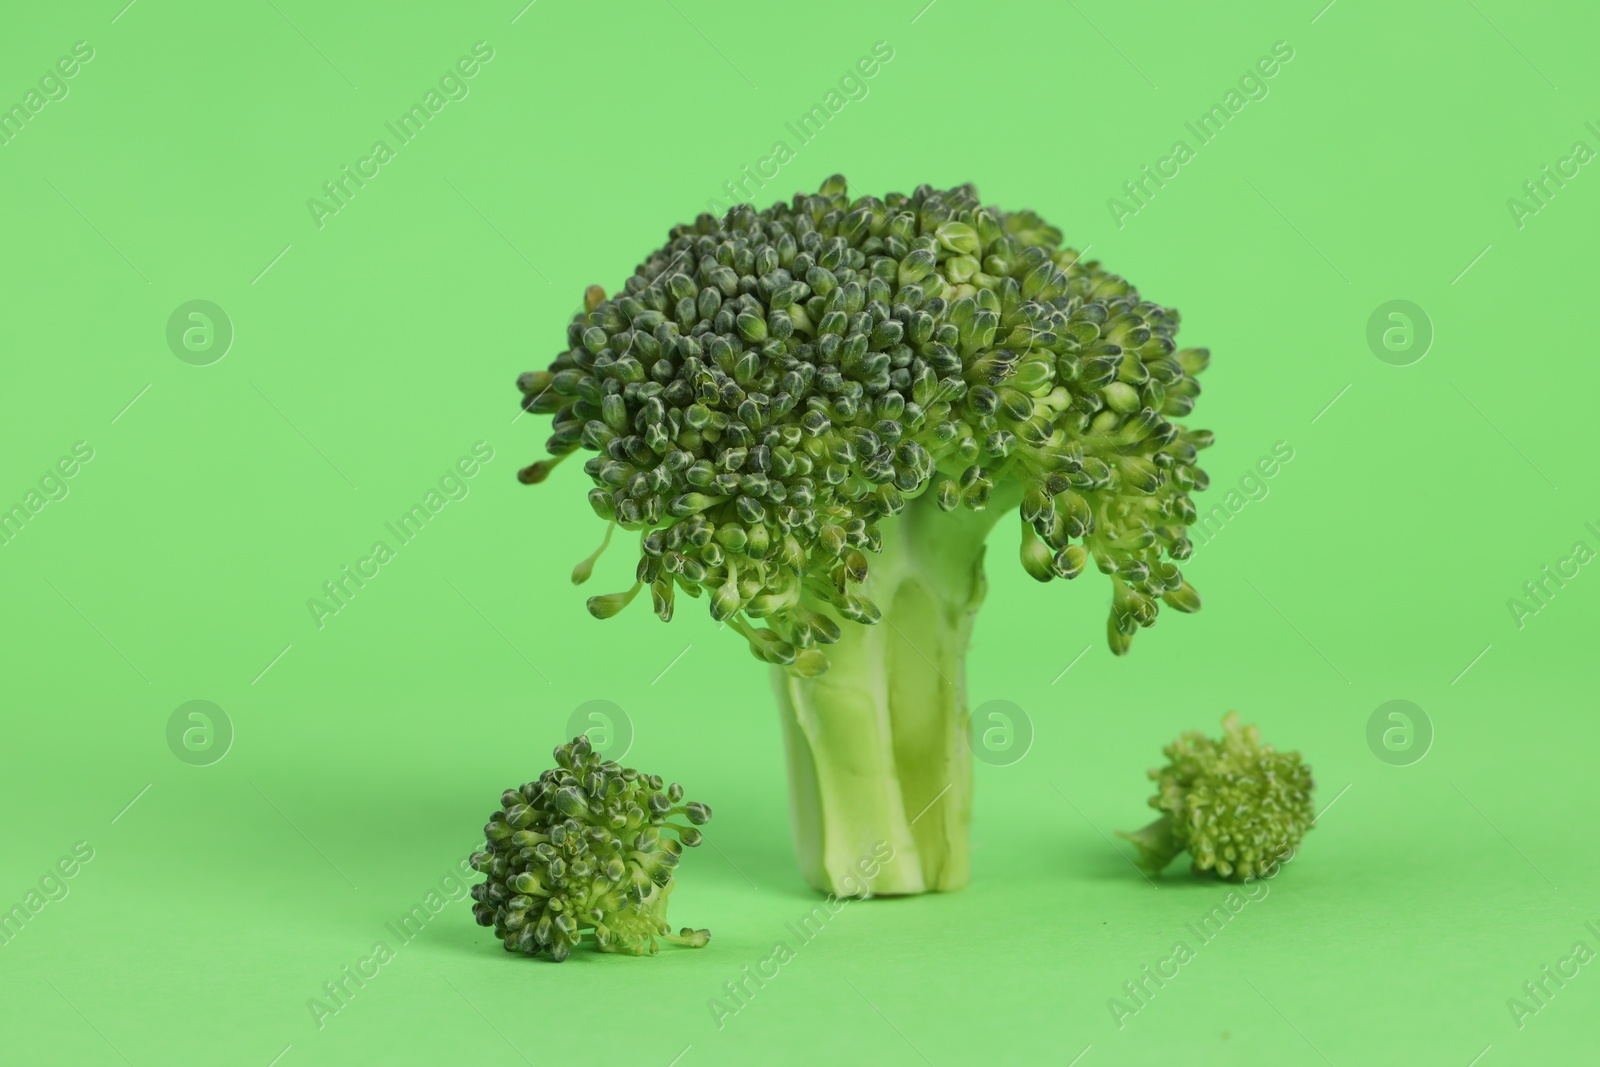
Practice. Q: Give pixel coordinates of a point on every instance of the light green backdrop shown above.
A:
(375, 346)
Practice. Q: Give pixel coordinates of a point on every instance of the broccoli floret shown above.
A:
(814, 414)
(1237, 806)
(585, 851)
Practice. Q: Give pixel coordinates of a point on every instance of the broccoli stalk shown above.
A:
(878, 744)
(813, 415)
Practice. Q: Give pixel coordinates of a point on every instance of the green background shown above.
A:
(371, 353)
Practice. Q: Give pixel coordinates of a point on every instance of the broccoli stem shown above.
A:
(877, 746)
(1156, 844)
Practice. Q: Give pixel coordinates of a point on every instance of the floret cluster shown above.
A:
(770, 386)
(587, 850)
(1238, 806)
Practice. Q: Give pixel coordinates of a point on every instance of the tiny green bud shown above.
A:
(1119, 641)
(1139, 473)
(1193, 360)
(809, 663)
(604, 607)
(752, 327)
(725, 601)
(1037, 558)
(958, 237)
(1121, 397)
(1183, 598)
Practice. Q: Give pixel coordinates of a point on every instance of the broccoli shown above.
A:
(1239, 807)
(584, 850)
(815, 413)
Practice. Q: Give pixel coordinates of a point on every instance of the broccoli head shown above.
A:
(812, 416)
(1237, 806)
(585, 850)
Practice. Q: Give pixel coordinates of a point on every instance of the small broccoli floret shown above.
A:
(585, 851)
(1237, 806)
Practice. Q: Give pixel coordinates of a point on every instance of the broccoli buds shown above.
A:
(771, 386)
(585, 851)
(1239, 807)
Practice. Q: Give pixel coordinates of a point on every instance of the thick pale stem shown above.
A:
(880, 767)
